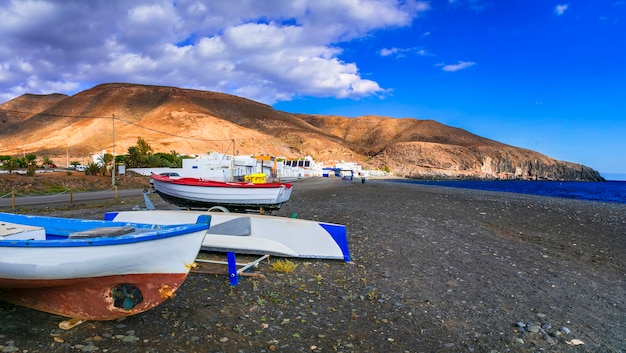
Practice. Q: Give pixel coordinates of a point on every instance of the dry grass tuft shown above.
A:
(283, 266)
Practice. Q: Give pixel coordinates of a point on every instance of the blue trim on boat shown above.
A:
(58, 229)
(110, 216)
(338, 233)
(204, 218)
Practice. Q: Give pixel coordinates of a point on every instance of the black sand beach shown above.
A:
(434, 270)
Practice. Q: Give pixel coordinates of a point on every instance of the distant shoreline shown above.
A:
(606, 191)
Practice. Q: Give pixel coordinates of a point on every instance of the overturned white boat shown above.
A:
(255, 234)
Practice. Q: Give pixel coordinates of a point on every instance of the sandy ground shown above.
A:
(434, 270)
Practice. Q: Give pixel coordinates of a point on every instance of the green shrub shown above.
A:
(93, 169)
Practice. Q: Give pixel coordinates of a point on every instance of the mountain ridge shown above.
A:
(112, 116)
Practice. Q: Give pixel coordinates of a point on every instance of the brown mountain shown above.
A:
(25, 106)
(192, 122)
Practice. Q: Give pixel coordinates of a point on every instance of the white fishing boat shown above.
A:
(235, 196)
(254, 233)
(94, 270)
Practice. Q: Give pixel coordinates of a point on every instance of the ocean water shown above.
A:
(609, 191)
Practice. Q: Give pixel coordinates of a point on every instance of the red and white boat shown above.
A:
(94, 270)
(235, 196)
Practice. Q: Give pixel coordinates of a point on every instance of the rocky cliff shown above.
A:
(113, 116)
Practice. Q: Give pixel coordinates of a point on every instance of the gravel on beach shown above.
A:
(433, 269)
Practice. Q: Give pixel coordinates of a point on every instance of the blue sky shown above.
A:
(544, 75)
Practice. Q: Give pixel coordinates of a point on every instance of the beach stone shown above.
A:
(9, 349)
(533, 328)
(564, 330)
(90, 348)
(130, 338)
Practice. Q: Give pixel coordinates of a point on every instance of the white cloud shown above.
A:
(560, 9)
(389, 52)
(263, 50)
(403, 52)
(456, 67)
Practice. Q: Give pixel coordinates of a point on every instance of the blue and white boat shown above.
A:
(91, 269)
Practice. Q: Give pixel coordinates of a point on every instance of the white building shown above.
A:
(223, 167)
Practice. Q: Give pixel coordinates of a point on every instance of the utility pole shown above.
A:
(113, 163)
(232, 162)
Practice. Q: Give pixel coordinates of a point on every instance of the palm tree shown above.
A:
(10, 165)
(31, 164)
(134, 157)
(46, 161)
(177, 159)
(106, 162)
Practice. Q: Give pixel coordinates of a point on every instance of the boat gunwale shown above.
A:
(147, 232)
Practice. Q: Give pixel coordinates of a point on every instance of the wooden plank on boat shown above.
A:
(13, 231)
(103, 232)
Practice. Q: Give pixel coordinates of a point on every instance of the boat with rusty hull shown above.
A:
(91, 269)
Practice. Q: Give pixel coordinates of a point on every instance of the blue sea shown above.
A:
(609, 191)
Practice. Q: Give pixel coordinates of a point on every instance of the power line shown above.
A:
(115, 118)
(56, 115)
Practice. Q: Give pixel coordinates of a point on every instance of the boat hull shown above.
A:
(96, 298)
(256, 234)
(197, 193)
(94, 278)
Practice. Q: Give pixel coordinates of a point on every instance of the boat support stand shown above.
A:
(146, 200)
(233, 271)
